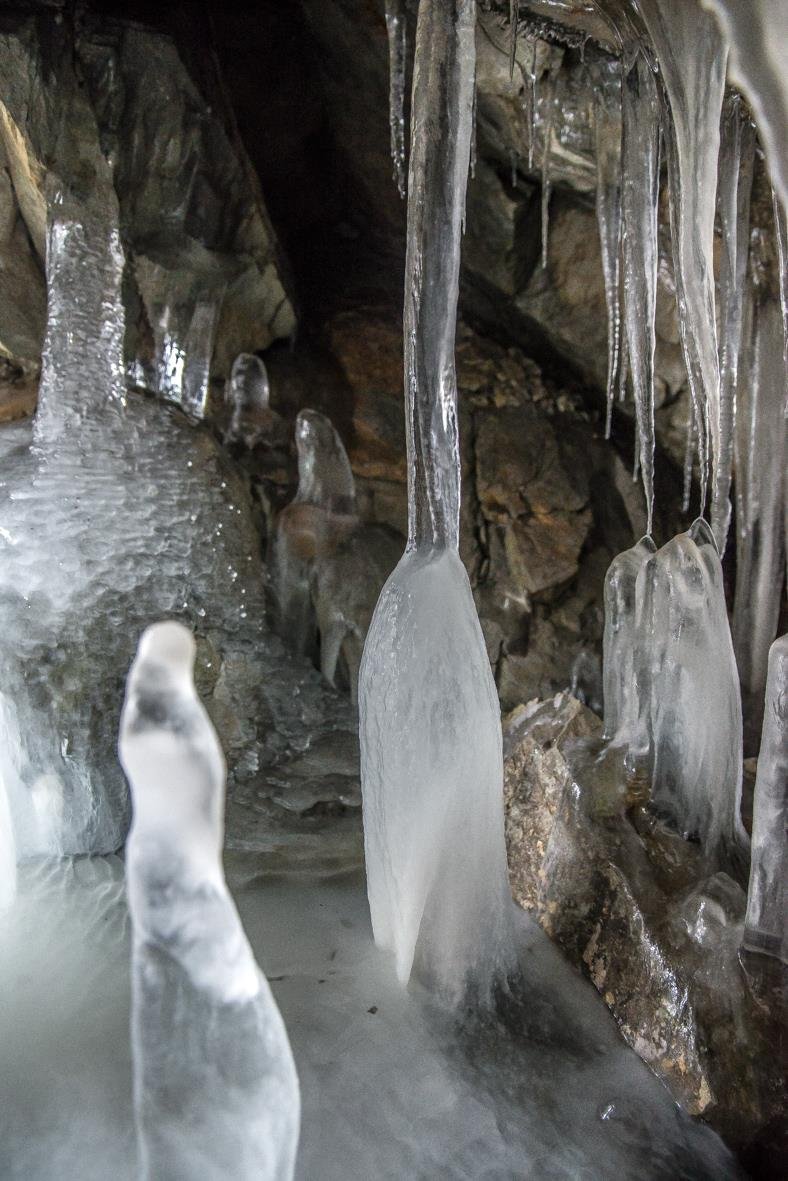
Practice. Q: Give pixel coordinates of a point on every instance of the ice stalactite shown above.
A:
(760, 451)
(514, 16)
(607, 142)
(781, 236)
(549, 100)
(639, 203)
(692, 57)
(621, 665)
(692, 698)
(757, 34)
(248, 394)
(431, 757)
(737, 159)
(215, 1087)
(185, 337)
(322, 513)
(765, 928)
(689, 458)
(397, 31)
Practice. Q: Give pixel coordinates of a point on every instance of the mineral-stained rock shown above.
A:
(627, 900)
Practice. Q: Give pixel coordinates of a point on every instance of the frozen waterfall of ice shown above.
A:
(640, 198)
(622, 665)
(431, 756)
(397, 31)
(766, 928)
(215, 1088)
(692, 56)
(248, 394)
(693, 702)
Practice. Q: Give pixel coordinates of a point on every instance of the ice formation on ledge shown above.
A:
(248, 394)
(322, 513)
(215, 1088)
(621, 662)
(431, 758)
(692, 704)
(397, 31)
(766, 925)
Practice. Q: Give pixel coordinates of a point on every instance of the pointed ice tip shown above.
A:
(170, 644)
(701, 533)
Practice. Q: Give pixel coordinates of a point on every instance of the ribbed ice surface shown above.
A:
(621, 664)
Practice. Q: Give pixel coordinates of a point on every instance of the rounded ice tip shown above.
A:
(168, 643)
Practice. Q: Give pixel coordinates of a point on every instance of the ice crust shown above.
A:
(766, 925)
(215, 1088)
(431, 763)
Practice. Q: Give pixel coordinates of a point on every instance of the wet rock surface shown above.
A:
(628, 901)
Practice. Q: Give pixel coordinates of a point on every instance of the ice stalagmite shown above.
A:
(248, 394)
(623, 670)
(607, 142)
(693, 698)
(757, 34)
(737, 158)
(397, 30)
(322, 513)
(215, 1088)
(760, 447)
(431, 761)
(640, 196)
(692, 56)
(766, 926)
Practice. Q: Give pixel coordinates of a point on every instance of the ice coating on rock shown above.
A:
(639, 202)
(248, 394)
(692, 57)
(431, 761)
(756, 32)
(760, 450)
(737, 158)
(693, 699)
(766, 925)
(621, 644)
(215, 1088)
(397, 31)
(606, 77)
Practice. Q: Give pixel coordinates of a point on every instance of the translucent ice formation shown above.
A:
(431, 760)
(640, 196)
(322, 513)
(215, 1088)
(693, 703)
(397, 30)
(248, 394)
(622, 663)
(606, 77)
(766, 925)
(184, 336)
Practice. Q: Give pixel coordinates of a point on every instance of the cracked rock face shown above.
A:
(627, 900)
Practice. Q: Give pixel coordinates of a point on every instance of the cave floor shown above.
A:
(392, 1087)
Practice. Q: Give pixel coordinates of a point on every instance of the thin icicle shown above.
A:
(689, 459)
(397, 29)
(692, 56)
(781, 234)
(533, 100)
(546, 181)
(640, 196)
(606, 78)
(514, 160)
(623, 368)
(737, 158)
(513, 18)
(474, 116)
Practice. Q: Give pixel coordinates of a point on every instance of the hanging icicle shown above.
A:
(781, 234)
(397, 30)
(640, 196)
(549, 103)
(606, 81)
(513, 18)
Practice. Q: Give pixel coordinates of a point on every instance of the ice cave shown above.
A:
(393, 626)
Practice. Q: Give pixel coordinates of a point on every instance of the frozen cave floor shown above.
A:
(392, 1086)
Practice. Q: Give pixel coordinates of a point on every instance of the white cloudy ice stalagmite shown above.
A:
(607, 143)
(215, 1088)
(640, 197)
(623, 670)
(431, 760)
(693, 698)
(766, 928)
(248, 394)
(692, 56)
(397, 31)
(737, 158)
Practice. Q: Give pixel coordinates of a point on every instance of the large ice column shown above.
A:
(322, 514)
(694, 703)
(248, 394)
(766, 925)
(215, 1088)
(760, 450)
(692, 57)
(431, 762)
(757, 34)
(640, 199)
(622, 667)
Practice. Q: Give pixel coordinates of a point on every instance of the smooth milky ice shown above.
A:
(431, 761)
(215, 1088)
(766, 925)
